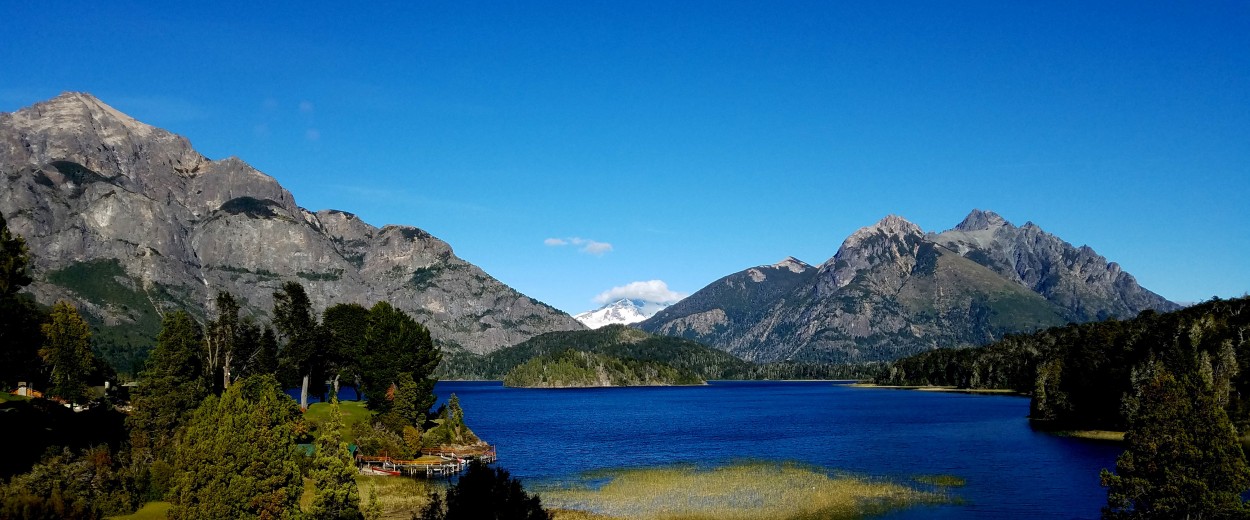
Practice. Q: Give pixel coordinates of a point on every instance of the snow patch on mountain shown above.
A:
(623, 312)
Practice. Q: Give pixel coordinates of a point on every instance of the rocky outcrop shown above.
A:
(131, 221)
(892, 290)
(1076, 278)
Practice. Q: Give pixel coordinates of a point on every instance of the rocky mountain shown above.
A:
(1078, 279)
(131, 222)
(720, 313)
(621, 312)
(893, 290)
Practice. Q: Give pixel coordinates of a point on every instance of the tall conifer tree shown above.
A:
(67, 349)
(334, 473)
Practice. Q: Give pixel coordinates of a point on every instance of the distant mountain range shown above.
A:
(621, 312)
(130, 222)
(893, 290)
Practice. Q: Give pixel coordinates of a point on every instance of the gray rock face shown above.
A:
(1075, 278)
(892, 290)
(128, 219)
(725, 312)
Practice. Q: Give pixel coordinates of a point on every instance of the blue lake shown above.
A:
(1011, 470)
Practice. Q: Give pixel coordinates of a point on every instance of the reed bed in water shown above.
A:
(739, 491)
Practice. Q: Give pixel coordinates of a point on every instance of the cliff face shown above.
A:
(131, 221)
(892, 290)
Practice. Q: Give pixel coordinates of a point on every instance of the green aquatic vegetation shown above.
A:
(738, 491)
(941, 480)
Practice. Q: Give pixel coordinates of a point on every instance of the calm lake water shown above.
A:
(1011, 471)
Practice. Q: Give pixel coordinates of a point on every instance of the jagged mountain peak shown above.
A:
(893, 225)
(793, 264)
(892, 290)
(72, 109)
(980, 220)
(892, 236)
(1078, 279)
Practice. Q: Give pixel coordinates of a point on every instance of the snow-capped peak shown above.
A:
(623, 311)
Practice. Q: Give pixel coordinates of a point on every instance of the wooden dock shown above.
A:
(434, 462)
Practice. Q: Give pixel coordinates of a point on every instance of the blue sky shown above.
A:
(685, 142)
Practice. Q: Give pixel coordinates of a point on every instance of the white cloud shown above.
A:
(596, 248)
(651, 291)
(585, 245)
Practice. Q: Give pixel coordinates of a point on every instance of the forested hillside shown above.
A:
(571, 368)
(1079, 375)
(620, 342)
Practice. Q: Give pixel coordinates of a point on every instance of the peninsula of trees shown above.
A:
(574, 369)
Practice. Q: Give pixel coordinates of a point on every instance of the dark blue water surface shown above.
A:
(1011, 470)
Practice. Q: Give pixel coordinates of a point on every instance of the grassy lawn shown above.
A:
(149, 511)
(6, 397)
(353, 412)
(401, 498)
(739, 491)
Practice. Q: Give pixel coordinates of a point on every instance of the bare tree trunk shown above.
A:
(225, 372)
(303, 393)
(336, 387)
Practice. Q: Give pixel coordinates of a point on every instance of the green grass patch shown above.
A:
(353, 412)
(733, 492)
(149, 511)
(941, 480)
(6, 397)
(401, 498)
(1093, 435)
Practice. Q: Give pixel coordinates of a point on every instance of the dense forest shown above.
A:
(572, 368)
(625, 343)
(1078, 375)
(1177, 384)
(209, 430)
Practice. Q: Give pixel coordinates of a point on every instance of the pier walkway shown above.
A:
(433, 462)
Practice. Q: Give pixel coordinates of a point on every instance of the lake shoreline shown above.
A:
(948, 389)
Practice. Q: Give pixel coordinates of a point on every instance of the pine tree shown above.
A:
(1181, 458)
(405, 406)
(266, 360)
(484, 493)
(345, 325)
(170, 388)
(333, 473)
(397, 344)
(226, 342)
(293, 317)
(14, 262)
(20, 317)
(236, 458)
(67, 349)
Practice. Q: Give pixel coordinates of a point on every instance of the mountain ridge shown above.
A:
(87, 185)
(892, 290)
